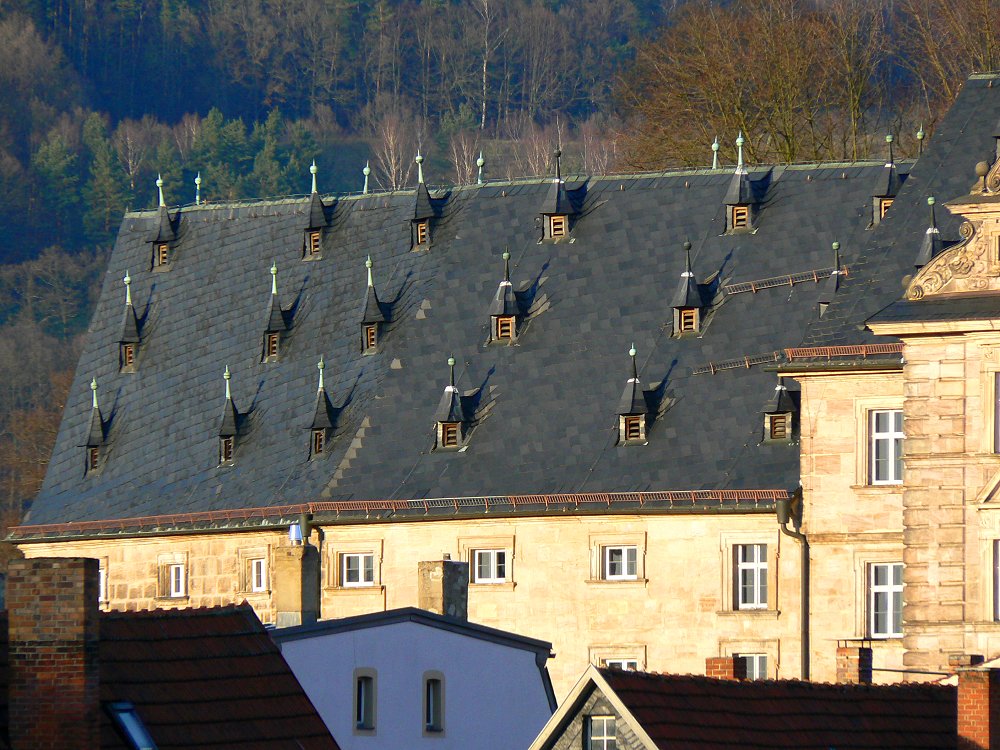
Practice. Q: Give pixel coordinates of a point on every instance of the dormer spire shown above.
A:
(635, 370)
(715, 153)
(888, 140)
(420, 168)
(127, 281)
(451, 367)
(480, 163)
(227, 427)
(740, 168)
(372, 314)
(368, 266)
(366, 171)
(931, 244)
(93, 390)
(227, 376)
(197, 190)
(95, 433)
(832, 283)
(323, 416)
(688, 295)
(632, 408)
(159, 189)
(276, 322)
(504, 311)
(886, 186)
(312, 171)
(558, 154)
(274, 278)
(920, 140)
(320, 366)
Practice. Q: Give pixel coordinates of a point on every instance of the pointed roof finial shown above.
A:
(197, 190)
(930, 202)
(159, 188)
(715, 153)
(888, 140)
(312, 171)
(687, 259)
(366, 171)
(93, 388)
(920, 140)
(451, 364)
(635, 371)
(739, 152)
(480, 162)
(558, 154)
(932, 244)
(420, 167)
(320, 366)
(227, 376)
(368, 265)
(506, 265)
(836, 257)
(127, 281)
(274, 277)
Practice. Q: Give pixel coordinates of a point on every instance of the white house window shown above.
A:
(628, 665)
(601, 733)
(434, 704)
(364, 700)
(177, 580)
(258, 574)
(751, 576)
(754, 666)
(886, 446)
(490, 566)
(619, 563)
(886, 600)
(357, 569)
(102, 584)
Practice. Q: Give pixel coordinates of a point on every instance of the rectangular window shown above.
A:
(601, 733)
(740, 217)
(557, 226)
(162, 254)
(93, 459)
(751, 576)
(271, 345)
(128, 355)
(886, 600)
(688, 319)
(258, 574)
(883, 206)
(177, 581)
(886, 430)
(777, 426)
(633, 428)
(371, 336)
(318, 441)
(423, 230)
(314, 243)
(754, 666)
(357, 569)
(628, 665)
(364, 702)
(620, 563)
(102, 584)
(226, 450)
(505, 327)
(490, 566)
(434, 704)
(449, 434)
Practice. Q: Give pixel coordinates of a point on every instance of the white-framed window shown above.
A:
(365, 700)
(628, 665)
(489, 566)
(433, 702)
(751, 576)
(357, 569)
(601, 733)
(754, 666)
(885, 601)
(886, 446)
(177, 580)
(258, 574)
(619, 563)
(102, 584)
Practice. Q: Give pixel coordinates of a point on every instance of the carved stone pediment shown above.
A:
(968, 266)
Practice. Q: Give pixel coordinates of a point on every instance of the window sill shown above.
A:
(505, 586)
(755, 614)
(362, 590)
(877, 489)
(174, 599)
(266, 592)
(636, 583)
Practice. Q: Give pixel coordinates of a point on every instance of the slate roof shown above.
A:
(679, 712)
(945, 171)
(207, 678)
(585, 299)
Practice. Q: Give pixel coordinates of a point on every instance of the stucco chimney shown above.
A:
(54, 642)
(978, 709)
(854, 664)
(443, 587)
(725, 668)
(296, 585)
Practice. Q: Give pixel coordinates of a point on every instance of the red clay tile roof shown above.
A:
(203, 678)
(680, 712)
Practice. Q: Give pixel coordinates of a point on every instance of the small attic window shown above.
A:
(883, 206)
(557, 226)
(162, 255)
(127, 358)
(503, 328)
(369, 338)
(448, 434)
(633, 428)
(318, 443)
(740, 217)
(312, 243)
(778, 426)
(687, 320)
(271, 347)
(422, 231)
(93, 460)
(226, 446)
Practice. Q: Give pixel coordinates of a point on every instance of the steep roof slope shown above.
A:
(546, 407)
(205, 678)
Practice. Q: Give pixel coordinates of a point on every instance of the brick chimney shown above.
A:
(854, 664)
(978, 709)
(443, 587)
(725, 668)
(54, 698)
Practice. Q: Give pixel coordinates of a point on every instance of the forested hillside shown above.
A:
(100, 96)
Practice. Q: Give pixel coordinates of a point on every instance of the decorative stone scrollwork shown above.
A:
(966, 230)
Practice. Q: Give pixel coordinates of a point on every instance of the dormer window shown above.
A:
(448, 434)
(162, 254)
(93, 459)
(226, 448)
(632, 409)
(271, 347)
(504, 328)
(277, 322)
(312, 243)
(687, 319)
(318, 442)
(883, 206)
(633, 428)
(740, 217)
(127, 357)
(96, 434)
(557, 227)
(779, 413)
(778, 426)
(369, 337)
(323, 418)
(422, 232)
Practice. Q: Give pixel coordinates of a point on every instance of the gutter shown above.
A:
(784, 512)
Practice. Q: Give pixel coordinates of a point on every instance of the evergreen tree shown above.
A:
(57, 197)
